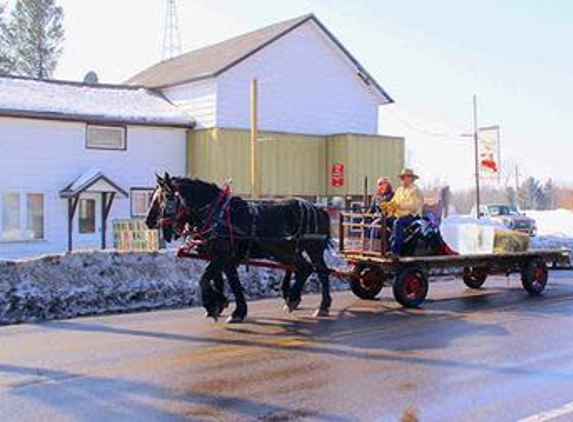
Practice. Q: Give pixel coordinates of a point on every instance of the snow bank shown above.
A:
(87, 283)
(554, 229)
(555, 223)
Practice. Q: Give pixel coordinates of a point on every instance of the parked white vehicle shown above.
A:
(510, 217)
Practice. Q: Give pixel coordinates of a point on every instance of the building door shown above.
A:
(87, 222)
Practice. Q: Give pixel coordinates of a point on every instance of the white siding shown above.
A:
(197, 99)
(305, 85)
(44, 157)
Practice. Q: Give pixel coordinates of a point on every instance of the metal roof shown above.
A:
(215, 59)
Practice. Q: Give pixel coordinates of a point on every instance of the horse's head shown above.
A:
(165, 208)
(180, 201)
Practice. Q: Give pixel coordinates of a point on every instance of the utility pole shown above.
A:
(477, 158)
(254, 137)
(171, 37)
(516, 177)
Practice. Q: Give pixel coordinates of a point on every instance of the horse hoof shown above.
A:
(320, 313)
(211, 315)
(292, 305)
(233, 319)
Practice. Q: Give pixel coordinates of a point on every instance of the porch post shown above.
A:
(72, 205)
(106, 201)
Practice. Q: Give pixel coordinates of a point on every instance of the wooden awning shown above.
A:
(92, 181)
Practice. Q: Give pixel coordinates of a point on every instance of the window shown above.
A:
(105, 137)
(11, 216)
(35, 216)
(140, 201)
(87, 216)
(18, 209)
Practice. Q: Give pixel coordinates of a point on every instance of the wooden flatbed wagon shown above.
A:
(410, 276)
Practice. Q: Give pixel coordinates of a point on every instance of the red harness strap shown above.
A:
(195, 237)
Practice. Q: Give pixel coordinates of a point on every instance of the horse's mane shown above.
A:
(197, 185)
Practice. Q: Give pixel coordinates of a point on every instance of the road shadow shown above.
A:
(374, 331)
(93, 399)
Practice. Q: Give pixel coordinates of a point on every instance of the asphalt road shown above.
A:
(494, 355)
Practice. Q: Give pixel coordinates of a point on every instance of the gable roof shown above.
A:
(98, 103)
(215, 59)
(92, 180)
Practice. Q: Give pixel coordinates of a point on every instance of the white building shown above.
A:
(308, 82)
(90, 152)
(74, 157)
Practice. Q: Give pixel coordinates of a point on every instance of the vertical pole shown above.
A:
(72, 206)
(103, 219)
(341, 233)
(365, 193)
(516, 177)
(476, 152)
(70, 224)
(254, 137)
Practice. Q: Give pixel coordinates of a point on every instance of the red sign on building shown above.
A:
(337, 175)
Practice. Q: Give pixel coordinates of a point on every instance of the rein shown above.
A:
(217, 209)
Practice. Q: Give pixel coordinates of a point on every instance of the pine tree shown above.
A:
(530, 194)
(36, 34)
(549, 195)
(6, 61)
(511, 195)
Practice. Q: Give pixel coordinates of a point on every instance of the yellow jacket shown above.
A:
(407, 201)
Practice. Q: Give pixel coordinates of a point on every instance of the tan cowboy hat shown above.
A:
(408, 173)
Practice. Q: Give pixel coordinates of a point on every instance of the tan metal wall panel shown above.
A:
(363, 156)
(288, 164)
(293, 164)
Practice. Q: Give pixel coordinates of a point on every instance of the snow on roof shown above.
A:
(24, 97)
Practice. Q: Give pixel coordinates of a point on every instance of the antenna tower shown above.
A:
(171, 36)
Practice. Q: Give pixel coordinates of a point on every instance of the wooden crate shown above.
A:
(133, 235)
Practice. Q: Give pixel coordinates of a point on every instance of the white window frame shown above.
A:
(23, 216)
(123, 145)
(148, 191)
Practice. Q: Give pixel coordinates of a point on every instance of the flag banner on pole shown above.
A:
(489, 152)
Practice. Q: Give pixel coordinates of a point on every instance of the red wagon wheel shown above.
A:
(534, 276)
(411, 287)
(474, 278)
(367, 281)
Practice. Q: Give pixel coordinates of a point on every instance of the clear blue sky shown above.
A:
(431, 56)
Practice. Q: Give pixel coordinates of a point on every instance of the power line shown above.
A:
(422, 131)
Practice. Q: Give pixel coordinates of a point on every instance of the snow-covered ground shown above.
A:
(556, 223)
(84, 283)
(554, 229)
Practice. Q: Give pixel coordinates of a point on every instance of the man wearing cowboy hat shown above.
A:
(406, 207)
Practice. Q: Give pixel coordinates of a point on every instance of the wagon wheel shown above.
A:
(367, 281)
(411, 287)
(474, 277)
(534, 276)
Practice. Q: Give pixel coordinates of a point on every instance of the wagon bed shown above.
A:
(410, 276)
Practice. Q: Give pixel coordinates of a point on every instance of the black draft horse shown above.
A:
(293, 232)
